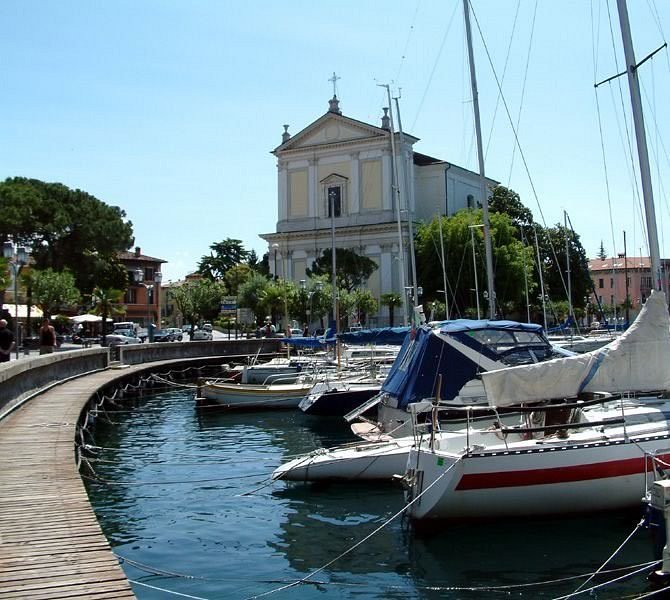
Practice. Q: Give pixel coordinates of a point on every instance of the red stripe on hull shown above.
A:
(603, 470)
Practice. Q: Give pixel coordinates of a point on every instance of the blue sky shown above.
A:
(169, 109)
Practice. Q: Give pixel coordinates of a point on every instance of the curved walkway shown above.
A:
(51, 545)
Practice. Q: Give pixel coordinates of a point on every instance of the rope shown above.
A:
(360, 542)
(578, 590)
(153, 587)
(495, 588)
(591, 590)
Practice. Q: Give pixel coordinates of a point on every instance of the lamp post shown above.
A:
(17, 257)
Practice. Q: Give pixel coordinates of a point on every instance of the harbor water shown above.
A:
(183, 493)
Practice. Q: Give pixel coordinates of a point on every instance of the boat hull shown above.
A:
(555, 478)
(247, 396)
(337, 403)
(363, 462)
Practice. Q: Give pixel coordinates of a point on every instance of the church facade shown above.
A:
(335, 182)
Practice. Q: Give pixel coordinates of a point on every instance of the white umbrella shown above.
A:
(87, 318)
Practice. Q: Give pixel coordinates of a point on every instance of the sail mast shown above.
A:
(396, 201)
(641, 139)
(480, 155)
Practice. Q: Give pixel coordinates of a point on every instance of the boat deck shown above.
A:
(51, 545)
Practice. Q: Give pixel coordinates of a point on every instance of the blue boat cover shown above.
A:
(423, 356)
(382, 335)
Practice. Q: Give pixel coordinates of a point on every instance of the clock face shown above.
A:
(333, 132)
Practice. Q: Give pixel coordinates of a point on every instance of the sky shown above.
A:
(170, 109)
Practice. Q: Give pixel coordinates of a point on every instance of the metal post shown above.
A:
(625, 274)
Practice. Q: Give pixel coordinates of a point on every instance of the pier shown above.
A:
(51, 545)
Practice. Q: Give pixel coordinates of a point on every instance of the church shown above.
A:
(336, 183)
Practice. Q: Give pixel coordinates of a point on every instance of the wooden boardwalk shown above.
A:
(51, 545)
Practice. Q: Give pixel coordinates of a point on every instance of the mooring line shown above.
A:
(360, 542)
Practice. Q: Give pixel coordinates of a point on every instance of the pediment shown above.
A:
(334, 179)
(332, 128)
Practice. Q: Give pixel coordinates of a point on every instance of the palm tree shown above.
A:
(106, 303)
(391, 300)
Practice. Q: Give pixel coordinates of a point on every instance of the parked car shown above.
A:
(116, 339)
(177, 333)
(207, 326)
(163, 335)
(201, 335)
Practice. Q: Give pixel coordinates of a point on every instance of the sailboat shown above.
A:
(596, 432)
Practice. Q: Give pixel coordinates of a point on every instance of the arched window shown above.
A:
(471, 201)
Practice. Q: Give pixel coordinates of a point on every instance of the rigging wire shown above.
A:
(497, 104)
(523, 93)
(409, 36)
(435, 63)
(521, 152)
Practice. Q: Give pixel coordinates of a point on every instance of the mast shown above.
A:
(641, 139)
(567, 260)
(396, 200)
(410, 217)
(444, 268)
(480, 156)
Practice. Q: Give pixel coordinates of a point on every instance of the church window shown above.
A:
(471, 201)
(334, 200)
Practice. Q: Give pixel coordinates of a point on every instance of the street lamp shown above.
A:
(17, 257)
(275, 247)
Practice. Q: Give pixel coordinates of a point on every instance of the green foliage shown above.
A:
(236, 276)
(223, 256)
(5, 277)
(351, 269)
(107, 303)
(250, 293)
(391, 300)
(602, 255)
(364, 305)
(199, 300)
(276, 299)
(65, 229)
(508, 202)
(53, 290)
(509, 257)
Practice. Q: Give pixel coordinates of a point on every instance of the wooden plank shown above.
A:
(52, 544)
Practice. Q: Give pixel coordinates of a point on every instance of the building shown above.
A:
(609, 281)
(336, 175)
(143, 296)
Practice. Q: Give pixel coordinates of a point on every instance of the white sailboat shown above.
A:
(564, 458)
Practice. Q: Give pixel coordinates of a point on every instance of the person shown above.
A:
(6, 341)
(269, 329)
(47, 338)
(305, 331)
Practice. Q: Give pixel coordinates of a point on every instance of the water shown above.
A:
(169, 500)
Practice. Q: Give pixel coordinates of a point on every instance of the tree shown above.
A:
(365, 304)
(552, 248)
(223, 256)
(53, 290)
(391, 300)
(65, 228)
(351, 269)
(508, 202)
(106, 302)
(277, 297)
(236, 276)
(198, 300)
(509, 256)
(249, 294)
(602, 255)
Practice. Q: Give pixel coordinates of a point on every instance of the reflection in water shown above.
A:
(176, 476)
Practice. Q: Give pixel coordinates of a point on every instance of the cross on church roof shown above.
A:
(333, 80)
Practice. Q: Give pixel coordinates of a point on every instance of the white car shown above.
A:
(177, 333)
(116, 339)
(201, 335)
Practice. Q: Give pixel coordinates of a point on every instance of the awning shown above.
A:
(23, 310)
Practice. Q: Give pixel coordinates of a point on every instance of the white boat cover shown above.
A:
(638, 360)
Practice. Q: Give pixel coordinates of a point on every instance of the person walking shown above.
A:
(6, 341)
(47, 338)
